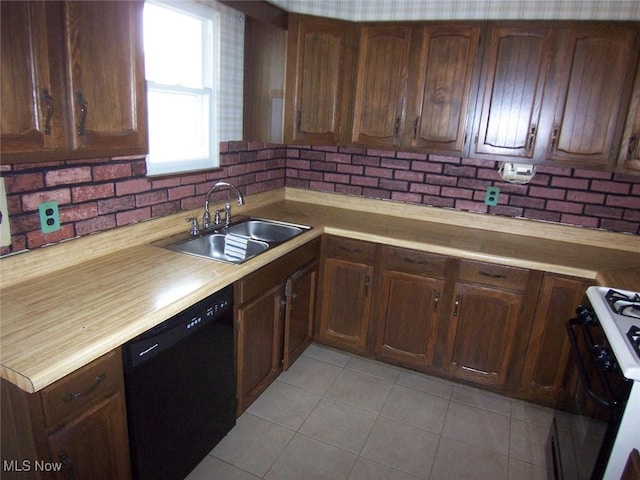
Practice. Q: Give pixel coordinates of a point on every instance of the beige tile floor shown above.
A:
(336, 416)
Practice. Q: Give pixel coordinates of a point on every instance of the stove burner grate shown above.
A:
(634, 337)
(627, 305)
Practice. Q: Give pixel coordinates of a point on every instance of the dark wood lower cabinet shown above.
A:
(410, 295)
(75, 428)
(345, 294)
(548, 354)
(274, 315)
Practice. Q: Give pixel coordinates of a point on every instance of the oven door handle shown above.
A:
(582, 371)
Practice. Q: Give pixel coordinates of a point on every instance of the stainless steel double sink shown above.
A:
(238, 242)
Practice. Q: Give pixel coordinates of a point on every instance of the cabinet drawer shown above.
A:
(82, 387)
(509, 278)
(277, 272)
(349, 249)
(413, 261)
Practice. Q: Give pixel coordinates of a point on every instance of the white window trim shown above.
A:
(211, 49)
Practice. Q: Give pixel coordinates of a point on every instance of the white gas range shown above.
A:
(618, 313)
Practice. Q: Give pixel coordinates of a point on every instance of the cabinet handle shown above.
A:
(456, 304)
(350, 250)
(72, 396)
(48, 102)
(554, 137)
(532, 137)
(82, 104)
(415, 262)
(366, 286)
(415, 128)
(396, 129)
(298, 120)
(67, 464)
(492, 275)
(633, 146)
(436, 301)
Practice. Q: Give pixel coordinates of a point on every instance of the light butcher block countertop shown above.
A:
(65, 305)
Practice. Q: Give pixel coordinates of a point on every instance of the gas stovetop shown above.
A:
(618, 312)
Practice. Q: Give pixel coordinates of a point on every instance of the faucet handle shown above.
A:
(216, 218)
(227, 214)
(195, 228)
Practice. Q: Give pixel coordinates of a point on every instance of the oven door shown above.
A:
(598, 402)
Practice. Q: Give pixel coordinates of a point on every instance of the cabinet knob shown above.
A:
(554, 137)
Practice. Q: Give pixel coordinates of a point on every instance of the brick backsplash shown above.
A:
(104, 193)
(100, 194)
(587, 198)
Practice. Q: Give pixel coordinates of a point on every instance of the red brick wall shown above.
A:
(577, 197)
(99, 194)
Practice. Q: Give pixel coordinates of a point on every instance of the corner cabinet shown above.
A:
(548, 353)
(274, 318)
(629, 156)
(61, 95)
(345, 293)
(75, 427)
(318, 82)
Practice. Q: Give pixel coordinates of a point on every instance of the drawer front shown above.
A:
(82, 387)
(277, 272)
(413, 261)
(508, 278)
(349, 249)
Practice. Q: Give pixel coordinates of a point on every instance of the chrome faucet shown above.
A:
(206, 218)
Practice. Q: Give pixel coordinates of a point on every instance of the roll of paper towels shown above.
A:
(5, 228)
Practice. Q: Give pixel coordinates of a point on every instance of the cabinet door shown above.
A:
(101, 428)
(259, 344)
(319, 71)
(549, 348)
(629, 157)
(32, 99)
(594, 69)
(105, 74)
(345, 304)
(407, 322)
(514, 74)
(482, 330)
(441, 71)
(299, 318)
(381, 85)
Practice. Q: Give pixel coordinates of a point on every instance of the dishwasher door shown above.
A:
(180, 388)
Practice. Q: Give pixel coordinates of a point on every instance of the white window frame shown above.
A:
(211, 80)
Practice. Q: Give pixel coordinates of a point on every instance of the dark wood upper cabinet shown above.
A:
(32, 99)
(594, 70)
(319, 80)
(105, 75)
(629, 156)
(381, 85)
(441, 69)
(515, 71)
(72, 80)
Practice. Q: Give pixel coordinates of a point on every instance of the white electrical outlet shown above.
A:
(5, 228)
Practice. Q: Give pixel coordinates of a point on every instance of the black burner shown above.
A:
(627, 305)
(634, 337)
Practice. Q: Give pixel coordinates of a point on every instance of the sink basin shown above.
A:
(264, 230)
(213, 246)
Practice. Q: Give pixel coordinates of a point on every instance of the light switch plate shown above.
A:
(5, 226)
(49, 217)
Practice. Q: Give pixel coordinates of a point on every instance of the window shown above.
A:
(182, 58)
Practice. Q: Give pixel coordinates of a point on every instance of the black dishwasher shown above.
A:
(180, 388)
